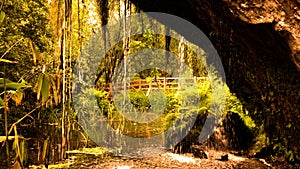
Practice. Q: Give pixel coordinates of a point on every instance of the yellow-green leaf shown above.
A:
(23, 152)
(7, 61)
(39, 85)
(2, 16)
(12, 85)
(55, 96)
(6, 81)
(46, 142)
(2, 105)
(45, 89)
(16, 146)
(33, 51)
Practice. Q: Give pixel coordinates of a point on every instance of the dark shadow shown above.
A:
(256, 58)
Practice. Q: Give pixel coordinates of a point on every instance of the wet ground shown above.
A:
(169, 160)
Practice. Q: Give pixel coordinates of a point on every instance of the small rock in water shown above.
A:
(224, 157)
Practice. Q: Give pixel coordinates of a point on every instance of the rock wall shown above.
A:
(258, 43)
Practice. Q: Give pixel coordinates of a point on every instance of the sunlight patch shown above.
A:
(182, 159)
(235, 158)
(122, 167)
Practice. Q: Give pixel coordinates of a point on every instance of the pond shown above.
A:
(40, 138)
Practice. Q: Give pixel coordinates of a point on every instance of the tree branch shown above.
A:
(11, 47)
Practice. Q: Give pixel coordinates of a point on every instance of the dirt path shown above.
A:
(169, 160)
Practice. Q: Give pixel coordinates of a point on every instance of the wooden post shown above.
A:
(165, 83)
(140, 84)
(149, 89)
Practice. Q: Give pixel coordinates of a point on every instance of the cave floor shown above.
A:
(168, 160)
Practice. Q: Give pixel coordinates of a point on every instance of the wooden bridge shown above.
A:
(162, 83)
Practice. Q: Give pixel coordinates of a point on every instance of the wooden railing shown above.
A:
(164, 83)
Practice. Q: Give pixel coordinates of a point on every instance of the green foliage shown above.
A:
(24, 30)
(24, 25)
(45, 148)
(88, 108)
(234, 105)
(20, 148)
(46, 88)
(139, 100)
(2, 16)
(13, 85)
(2, 104)
(281, 149)
(15, 90)
(24, 21)
(173, 103)
(97, 151)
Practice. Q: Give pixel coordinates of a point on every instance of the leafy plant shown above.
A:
(47, 88)
(139, 100)
(2, 16)
(20, 147)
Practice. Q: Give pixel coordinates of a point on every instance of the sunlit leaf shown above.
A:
(6, 80)
(23, 81)
(33, 51)
(7, 61)
(23, 151)
(203, 109)
(17, 97)
(100, 94)
(12, 85)
(46, 142)
(2, 103)
(45, 89)
(2, 16)
(39, 85)
(16, 142)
